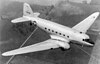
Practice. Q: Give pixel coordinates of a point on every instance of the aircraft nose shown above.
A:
(88, 44)
(91, 42)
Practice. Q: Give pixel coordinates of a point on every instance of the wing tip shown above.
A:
(97, 14)
(13, 21)
(4, 54)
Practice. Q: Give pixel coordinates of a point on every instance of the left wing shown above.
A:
(84, 25)
(21, 19)
(48, 44)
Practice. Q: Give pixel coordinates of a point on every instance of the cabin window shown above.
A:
(45, 28)
(56, 32)
(52, 30)
(68, 36)
(59, 33)
(81, 32)
(63, 34)
(49, 29)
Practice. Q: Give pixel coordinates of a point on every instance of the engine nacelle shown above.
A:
(63, 44)
(34, 22)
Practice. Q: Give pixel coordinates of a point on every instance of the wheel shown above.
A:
(63, 49)
(51, 48)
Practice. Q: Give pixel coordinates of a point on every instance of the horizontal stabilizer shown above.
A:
(48, 44)
(21, 19)
(27, 14)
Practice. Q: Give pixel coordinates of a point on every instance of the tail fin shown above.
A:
(86, 24)
(27, 11)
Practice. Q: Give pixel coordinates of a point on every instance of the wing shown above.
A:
(21, 19)
(85, 24)
(48, 44)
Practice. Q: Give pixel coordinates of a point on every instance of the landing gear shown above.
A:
(63, 49)
(33, 23)
(51, 48)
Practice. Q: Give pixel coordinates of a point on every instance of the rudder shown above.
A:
(27, 11)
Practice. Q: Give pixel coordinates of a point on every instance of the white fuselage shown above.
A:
(59, 31)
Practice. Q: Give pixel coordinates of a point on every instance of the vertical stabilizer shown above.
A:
(27, 11)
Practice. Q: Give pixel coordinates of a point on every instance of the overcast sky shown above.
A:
(47, 2)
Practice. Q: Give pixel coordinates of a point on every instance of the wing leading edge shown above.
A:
(21, 19)
(48, 44)
(85, 24)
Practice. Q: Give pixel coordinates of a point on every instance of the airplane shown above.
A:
(60, 35)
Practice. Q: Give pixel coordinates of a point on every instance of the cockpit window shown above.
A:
(86, 40)
(89, 41)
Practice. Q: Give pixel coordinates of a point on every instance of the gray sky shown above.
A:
(48, 2)
(41, 2)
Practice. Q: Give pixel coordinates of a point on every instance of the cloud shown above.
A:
(39, 2)
(7, 41)
(64, 6)
(80, 1)
(4, 3)
(72, 10)
(95, 2)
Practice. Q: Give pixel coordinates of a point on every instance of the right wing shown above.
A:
(48, 44)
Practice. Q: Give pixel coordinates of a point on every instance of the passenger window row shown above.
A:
(56, 32)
